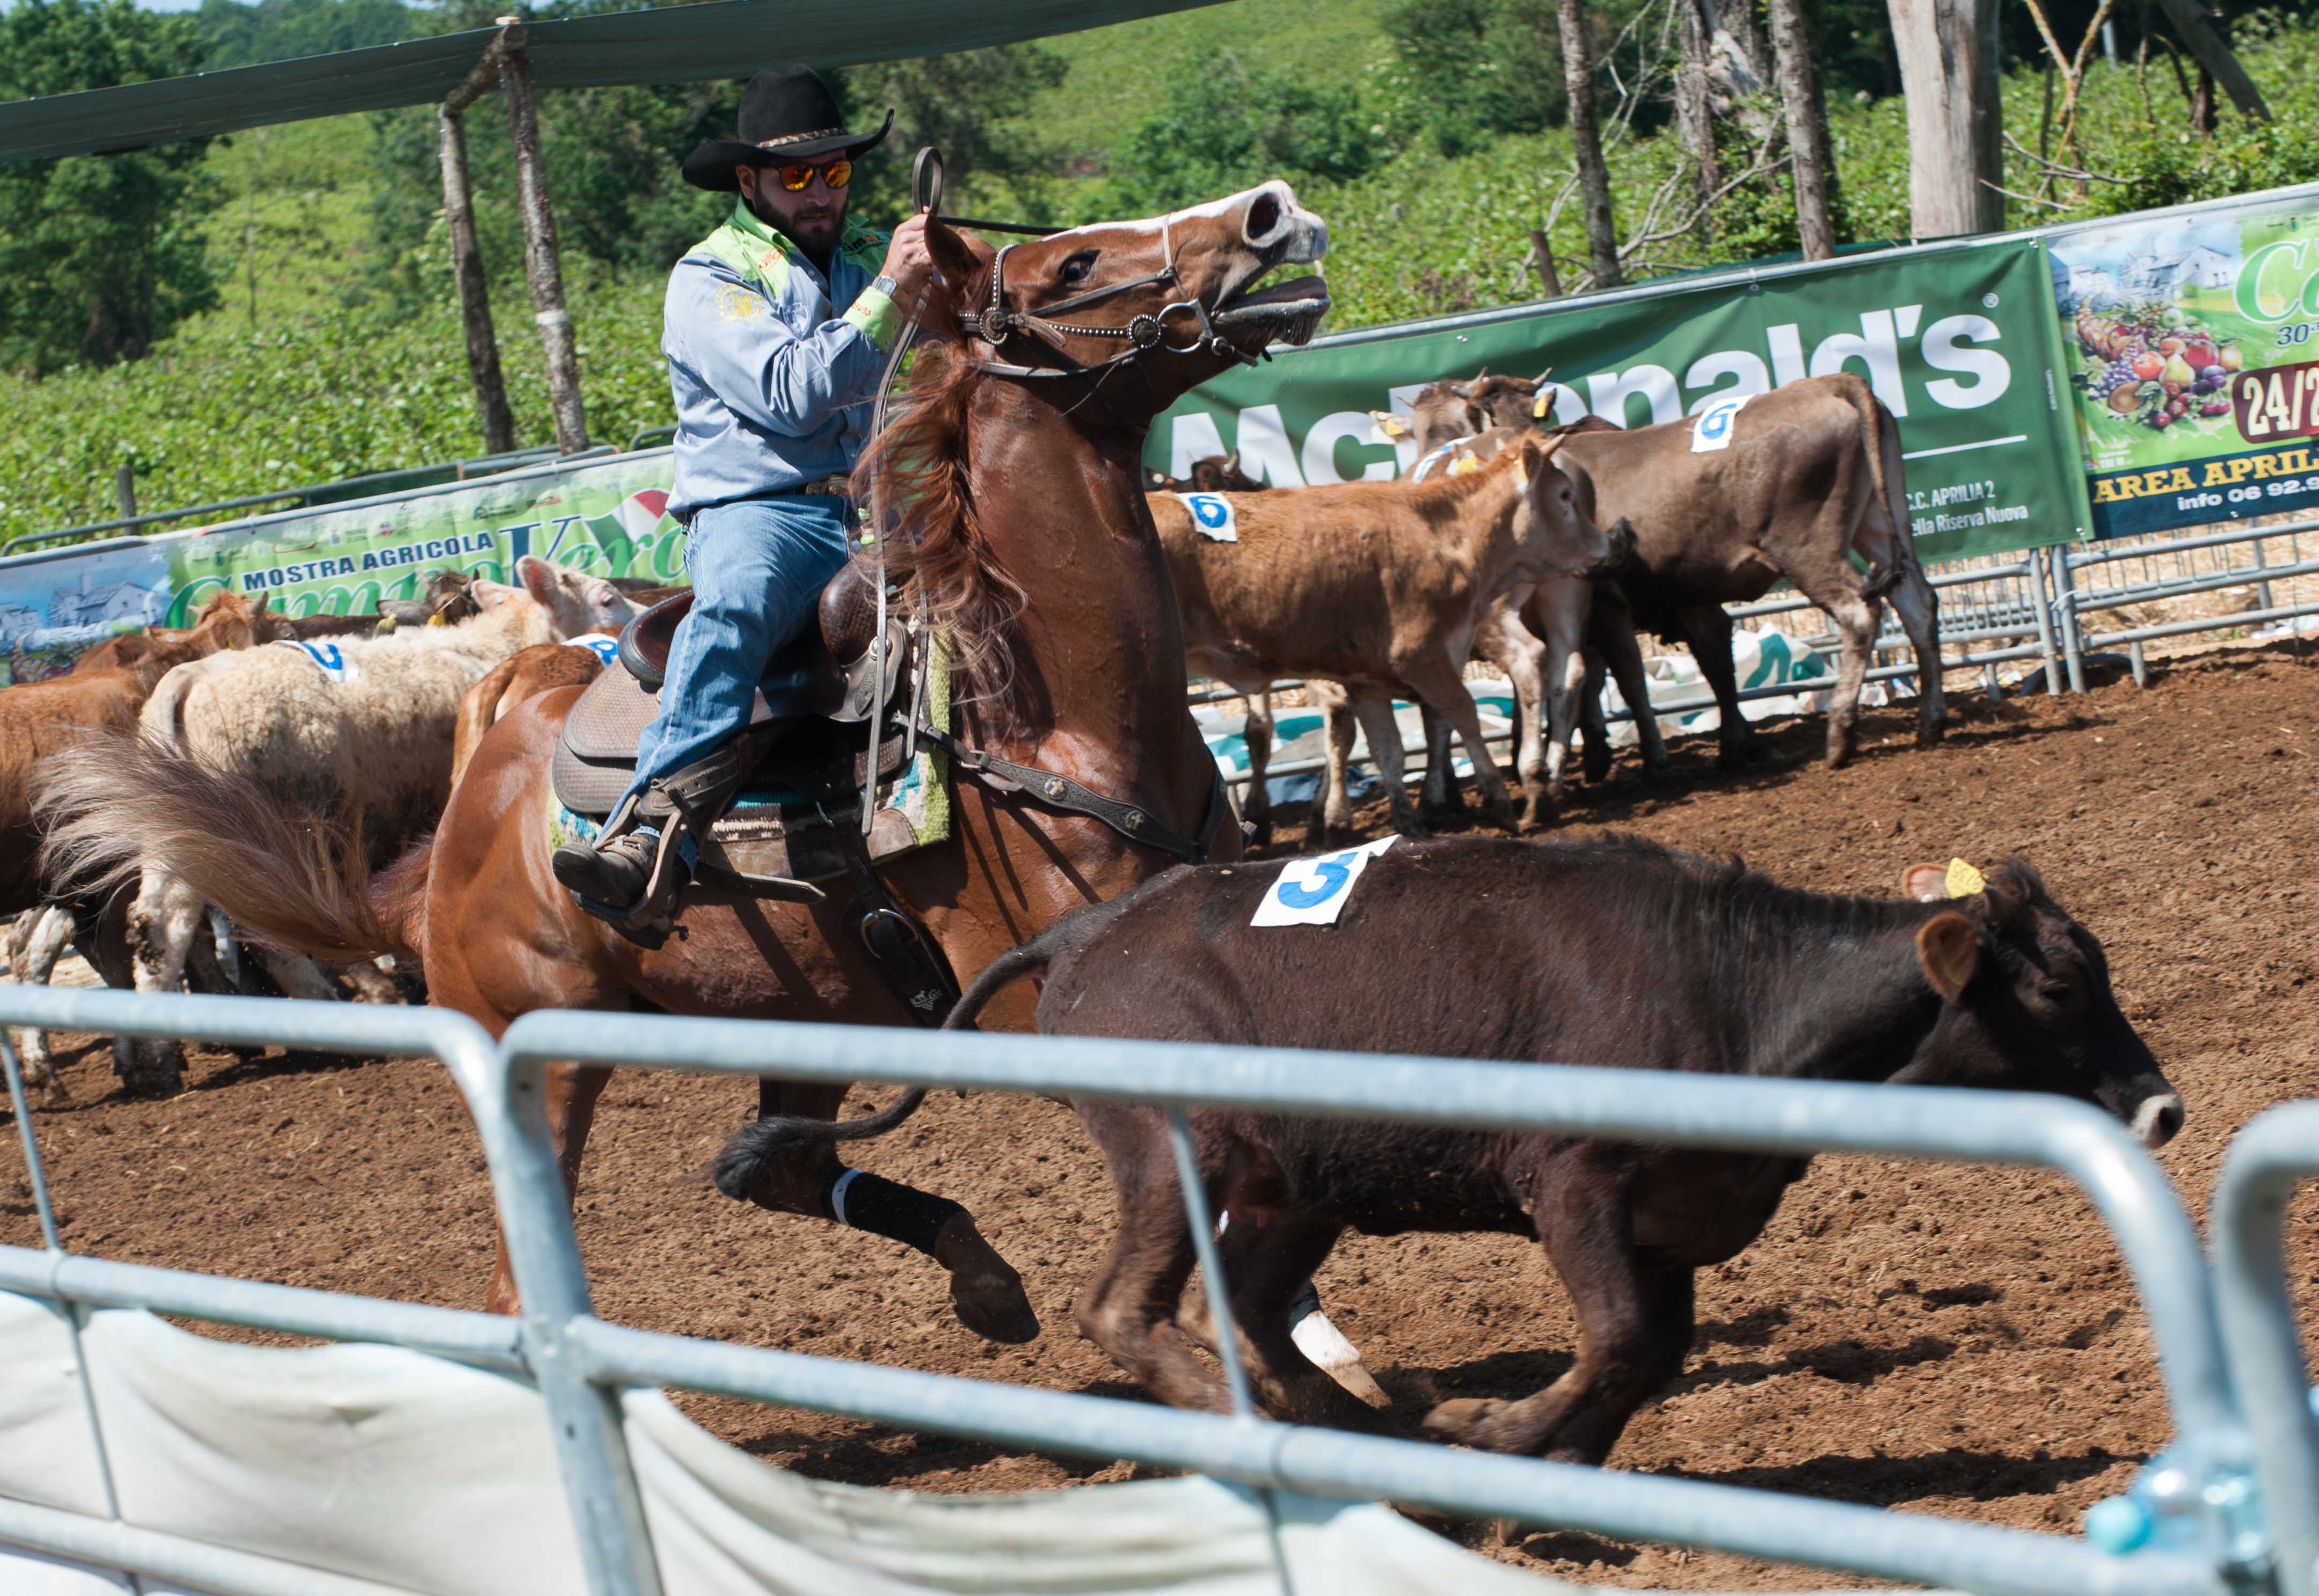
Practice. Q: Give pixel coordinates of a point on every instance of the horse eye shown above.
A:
(1075, 269)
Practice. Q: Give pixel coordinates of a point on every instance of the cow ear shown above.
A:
(490, 595)
(1950, 950)
(1390, 425)
(1926, 883)
(538, 577)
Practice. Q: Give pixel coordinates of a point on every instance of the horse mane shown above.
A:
(914, 476)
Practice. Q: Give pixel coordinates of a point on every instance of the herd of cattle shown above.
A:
(1368, 590)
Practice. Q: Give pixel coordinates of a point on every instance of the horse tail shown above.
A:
(747, 1151)
(128, 803)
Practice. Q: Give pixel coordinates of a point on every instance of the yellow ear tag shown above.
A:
(1537, 407)
(1463, 466)
(1392, 429)
(1964, 880)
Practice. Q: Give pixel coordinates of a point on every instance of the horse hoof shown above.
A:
(995, 1307)
(1466, 1421)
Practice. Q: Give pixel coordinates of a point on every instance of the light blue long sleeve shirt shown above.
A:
(774, 384)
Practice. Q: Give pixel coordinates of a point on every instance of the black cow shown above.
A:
(1615, 952)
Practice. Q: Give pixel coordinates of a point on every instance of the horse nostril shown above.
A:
(1263, 217)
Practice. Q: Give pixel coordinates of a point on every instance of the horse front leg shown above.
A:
(791, 1174)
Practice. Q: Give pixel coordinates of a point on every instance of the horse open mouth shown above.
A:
(1284, 313)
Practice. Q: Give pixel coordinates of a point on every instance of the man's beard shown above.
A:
(817, 233)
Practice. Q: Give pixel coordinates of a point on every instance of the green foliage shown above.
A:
(1220, 127)
(241, 34)
(973, 106)
(1467, 72)
(2176, 167)
(222, 411)
(102, 255)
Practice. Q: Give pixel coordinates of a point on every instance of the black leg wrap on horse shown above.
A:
(886, 1208)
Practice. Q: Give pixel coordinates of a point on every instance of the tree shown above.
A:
(103, 255)
(1956, 156)
(970, 106)
(1467, 71)
(1220, 127)
(242, 35)
(1806, 120)
(1586, 141)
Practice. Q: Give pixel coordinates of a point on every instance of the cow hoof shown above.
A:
(150, 1069)
(1411, 827)
(1468, 1421)
(1597, 771)
(1930, 737)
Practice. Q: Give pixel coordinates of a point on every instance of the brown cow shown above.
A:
(1379, 584)
(1613, 952)
(38, 717)
(1812, 477)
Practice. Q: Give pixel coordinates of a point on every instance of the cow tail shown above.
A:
(1883, 437)
(746, 1152)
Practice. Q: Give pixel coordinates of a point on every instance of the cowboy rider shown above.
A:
(778, 327)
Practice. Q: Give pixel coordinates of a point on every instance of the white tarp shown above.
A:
(426, 1474)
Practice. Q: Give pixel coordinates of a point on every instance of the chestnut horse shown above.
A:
(1016, 467)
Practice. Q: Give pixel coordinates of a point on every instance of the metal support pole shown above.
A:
(2141, 664)
(2261, 588)
(2041, 605)
(2065, 599)
(539, 251)
(474, 296)
(124, 488)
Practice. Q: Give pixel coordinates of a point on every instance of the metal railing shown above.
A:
(580, 1362)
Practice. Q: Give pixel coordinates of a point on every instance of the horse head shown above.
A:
(1175, 299)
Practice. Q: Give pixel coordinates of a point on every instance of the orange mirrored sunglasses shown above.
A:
(797, 174)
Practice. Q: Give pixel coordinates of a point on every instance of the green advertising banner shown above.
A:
(1959, 343)
(610, 519)
(2192, 338)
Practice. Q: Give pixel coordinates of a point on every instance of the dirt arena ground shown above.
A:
(1943, 1340)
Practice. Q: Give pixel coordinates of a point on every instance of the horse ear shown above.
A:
(959, 259)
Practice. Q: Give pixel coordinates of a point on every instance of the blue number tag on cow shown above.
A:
(1212, 513)
(602, 644)
(1713, 428)
(327, 658)
(1312, 891)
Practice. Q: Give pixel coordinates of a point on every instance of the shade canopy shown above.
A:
(678, 44)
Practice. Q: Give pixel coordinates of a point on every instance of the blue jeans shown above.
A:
(758, 567)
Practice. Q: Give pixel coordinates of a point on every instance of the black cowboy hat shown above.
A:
(789, 115)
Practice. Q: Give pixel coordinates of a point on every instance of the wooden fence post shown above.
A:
(467, 270)
(539, 254)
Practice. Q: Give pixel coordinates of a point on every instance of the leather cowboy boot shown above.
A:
(640, 861)
(612, 871)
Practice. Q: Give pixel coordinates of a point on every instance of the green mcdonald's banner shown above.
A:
(608, 518)
(1959, 342)
(2194, 360)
